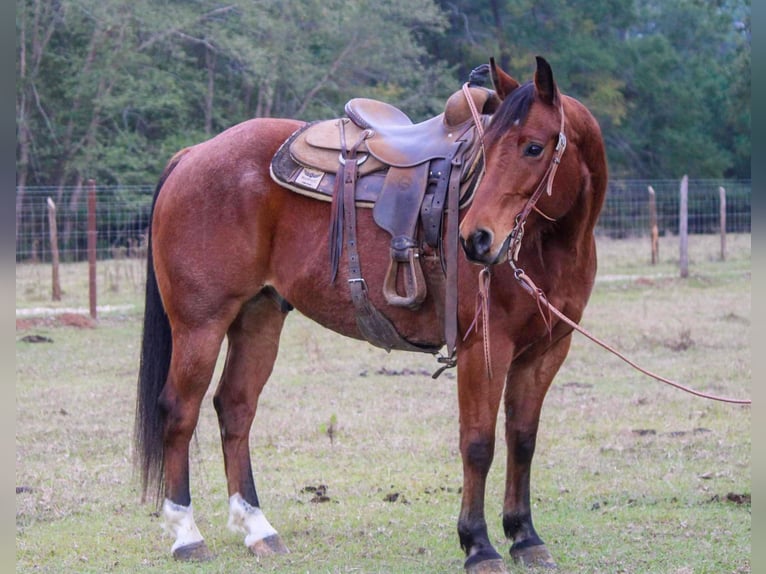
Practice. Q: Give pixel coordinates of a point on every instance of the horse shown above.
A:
(232, 253)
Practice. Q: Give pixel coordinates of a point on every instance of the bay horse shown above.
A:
(232, 252)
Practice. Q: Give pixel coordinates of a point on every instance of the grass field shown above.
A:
(630, 475)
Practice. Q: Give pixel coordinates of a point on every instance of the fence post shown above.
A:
(54, 239)
(722, 206)
(654, 229)
(683, 227)
(92, 247)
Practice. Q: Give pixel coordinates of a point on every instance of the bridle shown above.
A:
(526, 282)
(517, 233)
(546, 183)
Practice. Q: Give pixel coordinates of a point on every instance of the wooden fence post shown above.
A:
(92, 247)
(683, 227)
(722, 206)
(655, 231)
(54, 239)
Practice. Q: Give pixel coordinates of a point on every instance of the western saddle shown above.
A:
(414, 177)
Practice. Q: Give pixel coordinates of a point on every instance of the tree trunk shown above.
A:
(504, 58)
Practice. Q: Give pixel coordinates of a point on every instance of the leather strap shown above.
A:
(450, 255)
(372, 324)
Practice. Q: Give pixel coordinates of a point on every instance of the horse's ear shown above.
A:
(544, 82)
(502, 82)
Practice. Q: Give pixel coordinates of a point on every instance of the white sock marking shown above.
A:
(179, 523)
(248, 519)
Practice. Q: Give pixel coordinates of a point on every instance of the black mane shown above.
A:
(512, 111)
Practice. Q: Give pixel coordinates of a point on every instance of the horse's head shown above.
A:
(532, 177)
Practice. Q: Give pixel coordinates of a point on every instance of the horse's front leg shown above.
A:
(479, 400)
(528, 382)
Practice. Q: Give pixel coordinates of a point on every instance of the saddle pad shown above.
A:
(315, 182)
(318, 146)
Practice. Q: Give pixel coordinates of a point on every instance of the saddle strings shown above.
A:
(482, 310)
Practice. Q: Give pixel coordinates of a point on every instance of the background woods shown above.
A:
(109, 90)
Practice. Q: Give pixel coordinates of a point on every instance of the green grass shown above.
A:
(629, 476)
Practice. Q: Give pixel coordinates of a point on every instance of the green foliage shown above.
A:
(668, 81)
(109, 90)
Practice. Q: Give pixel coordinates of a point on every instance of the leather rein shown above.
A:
(526, 282)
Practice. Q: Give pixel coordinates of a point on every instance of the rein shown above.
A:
(530, 287)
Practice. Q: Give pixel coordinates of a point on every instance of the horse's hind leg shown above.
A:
(195, 350)
(528, 383)
(253, 345)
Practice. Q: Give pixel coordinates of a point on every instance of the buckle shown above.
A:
(446, 362)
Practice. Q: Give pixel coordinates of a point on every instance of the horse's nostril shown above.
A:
(482, 241)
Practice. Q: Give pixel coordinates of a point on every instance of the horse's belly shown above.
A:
(305, 282)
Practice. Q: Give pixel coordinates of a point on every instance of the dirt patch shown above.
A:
(62, 320)
(733, 498)
(319, 493)
(395, 497)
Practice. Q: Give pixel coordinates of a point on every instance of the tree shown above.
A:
(678, 84)
(110, 90)
(668, 81)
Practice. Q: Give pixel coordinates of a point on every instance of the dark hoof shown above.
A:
(534, 556)
(494, 566)
(269, 546)
(196, 552)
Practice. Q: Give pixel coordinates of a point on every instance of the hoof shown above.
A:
(494, 566)
(269, 546)
(196, 552)
(534, 556)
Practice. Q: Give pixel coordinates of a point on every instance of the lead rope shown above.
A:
(539, 295)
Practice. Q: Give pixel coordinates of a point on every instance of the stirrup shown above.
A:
(414, 281)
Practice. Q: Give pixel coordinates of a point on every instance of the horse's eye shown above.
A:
(533, 150)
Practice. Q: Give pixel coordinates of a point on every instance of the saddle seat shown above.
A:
(395, 140)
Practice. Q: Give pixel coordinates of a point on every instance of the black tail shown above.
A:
(156, 347)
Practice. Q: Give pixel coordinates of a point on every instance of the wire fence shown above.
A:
(626, 212)
(123, 213)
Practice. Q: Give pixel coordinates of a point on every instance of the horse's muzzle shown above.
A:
(478, 247)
